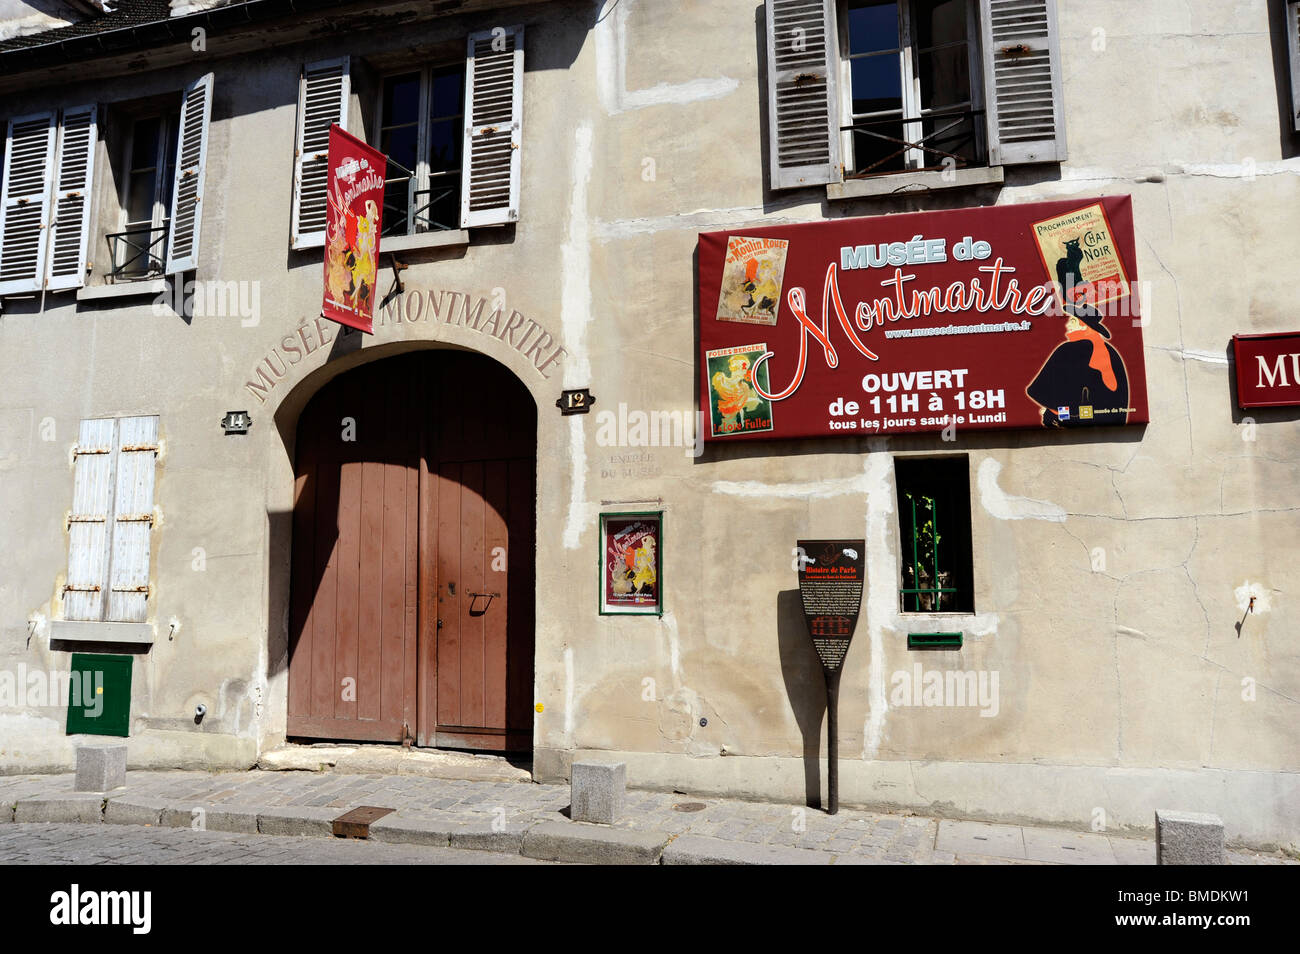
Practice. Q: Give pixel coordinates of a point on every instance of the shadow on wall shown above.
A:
(805, 686)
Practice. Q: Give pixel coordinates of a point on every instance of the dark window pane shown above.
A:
(446, 97)
(440, 206)
(401, 99)
(957, 139)
(169, 162)
(934, 527)
(144, 144)
(395, 203)
(876, 84)
(139, 204)
(444, 146)
(877, 146)
(400, 146)
(945, 77)
(872, 26)
(940, 21)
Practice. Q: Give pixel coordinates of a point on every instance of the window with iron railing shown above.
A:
(139, 249)
(911, 75)
(935, 537)
(421, 131)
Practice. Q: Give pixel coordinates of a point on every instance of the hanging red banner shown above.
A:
(1015, 316)
(354, 217)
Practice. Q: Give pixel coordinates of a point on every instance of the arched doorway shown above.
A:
(411, 613)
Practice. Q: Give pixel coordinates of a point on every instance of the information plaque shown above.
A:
(831, 576)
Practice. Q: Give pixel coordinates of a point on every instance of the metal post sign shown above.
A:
(831, 576)
(1016, 316)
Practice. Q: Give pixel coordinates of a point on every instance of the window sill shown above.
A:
(96, 631)
(910, 183)
(152, 286)
(404, 243)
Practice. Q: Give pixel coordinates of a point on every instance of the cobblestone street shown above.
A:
(136, 845)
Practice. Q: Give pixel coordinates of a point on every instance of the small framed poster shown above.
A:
(631, 571)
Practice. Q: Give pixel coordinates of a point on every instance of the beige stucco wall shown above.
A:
(1110, 569)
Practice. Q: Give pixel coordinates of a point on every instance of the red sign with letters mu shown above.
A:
(354, 218)
(1015, 316)
(1268, 369)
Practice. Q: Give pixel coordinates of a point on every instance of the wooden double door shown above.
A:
(412, 583)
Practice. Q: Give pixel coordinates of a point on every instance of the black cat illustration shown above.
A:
(1068, 272)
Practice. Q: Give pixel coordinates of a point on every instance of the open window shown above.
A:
(934, 534)
(866, 88)
(451, 126)
(150, 220)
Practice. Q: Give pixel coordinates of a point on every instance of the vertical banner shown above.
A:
(353, 220)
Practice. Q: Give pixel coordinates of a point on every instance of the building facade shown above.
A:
(246, 523)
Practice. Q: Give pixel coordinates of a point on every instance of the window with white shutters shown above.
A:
(187, 190)
(864, 88)
(494, 83)
(1022, 68)
(111, 521)
(803, 105)
(1293, 51)
(323, 94)
(24, 201)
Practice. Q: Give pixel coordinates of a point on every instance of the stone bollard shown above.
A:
(100, 768)
(597, 791)
(1188, 838)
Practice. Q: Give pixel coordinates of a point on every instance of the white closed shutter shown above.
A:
(1293, 49)
(137, 451)
(187, 191)
(803, 113)
(494, 111)
(322, 101)
(1022, 81)
(89, 521)
(24, 202)
(70, 221)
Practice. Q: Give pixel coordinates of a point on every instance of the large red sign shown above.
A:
(353, 219)
(1010, 316)
(1268, 369)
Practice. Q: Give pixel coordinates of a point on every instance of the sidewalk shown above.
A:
(488, 812)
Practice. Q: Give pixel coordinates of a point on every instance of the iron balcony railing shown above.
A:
(954, 130)
(408, 209)
(138, 252)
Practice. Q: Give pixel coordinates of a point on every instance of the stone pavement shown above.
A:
(98, 844)
(521, 818)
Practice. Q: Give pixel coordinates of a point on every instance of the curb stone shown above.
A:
(299, 820)
(701, 850)
(584, 844)
(215, 818)
(134, 810)
(86, 808)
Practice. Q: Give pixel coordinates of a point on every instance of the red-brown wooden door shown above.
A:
(415, 489)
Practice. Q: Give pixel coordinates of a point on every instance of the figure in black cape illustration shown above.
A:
(1083, 381)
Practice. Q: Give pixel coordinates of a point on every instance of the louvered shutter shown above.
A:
(187, 191)
(322, 102)
(1293, 47)
(494, 110)
(24, 202)
(88, 523)
(803, 112)
(70, 222)
(137, 449)
(1022, 81)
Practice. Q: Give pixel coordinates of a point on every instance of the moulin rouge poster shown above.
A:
(354, 218)
(1017, 316)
